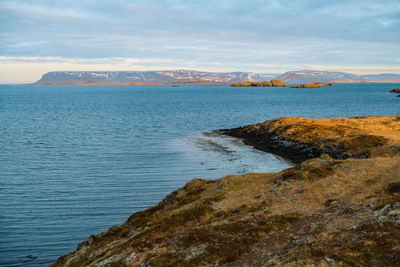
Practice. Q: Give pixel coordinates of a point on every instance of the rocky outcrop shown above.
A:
(311, 85)
(322, 212)
(341, 138)
(397, 91)
(272, 83)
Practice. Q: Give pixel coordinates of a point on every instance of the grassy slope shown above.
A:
(323, 211)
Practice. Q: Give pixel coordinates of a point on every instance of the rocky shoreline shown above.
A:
(295, 152)
(339, 206)
(298, 139)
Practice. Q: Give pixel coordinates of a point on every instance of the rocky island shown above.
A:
(271, 83)
(339, 205)
(311, 85)
(397, 91)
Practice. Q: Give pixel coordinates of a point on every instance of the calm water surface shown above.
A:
(75, 160)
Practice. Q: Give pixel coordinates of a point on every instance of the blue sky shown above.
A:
(251, 35)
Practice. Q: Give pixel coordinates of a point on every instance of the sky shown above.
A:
(269, 36)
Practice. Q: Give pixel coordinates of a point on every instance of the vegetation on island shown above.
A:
(311, 85)
(272, 83)
(339, 205)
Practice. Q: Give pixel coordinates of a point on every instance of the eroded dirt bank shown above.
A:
(324, 211)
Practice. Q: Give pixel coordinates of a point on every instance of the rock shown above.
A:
(389, 213)
(31, 257)
(328, 202)
(397, 91)
(394, 187)
(325, 156)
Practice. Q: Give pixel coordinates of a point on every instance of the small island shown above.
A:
(272, 83)
(277, 83)
(338, 205)
(311, 85)
(396, 91)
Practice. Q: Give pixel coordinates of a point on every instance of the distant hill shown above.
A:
(309, 76)
(140, 77)
(201, 77)
(383, 77)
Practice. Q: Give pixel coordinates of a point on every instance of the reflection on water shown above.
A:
(75, 160)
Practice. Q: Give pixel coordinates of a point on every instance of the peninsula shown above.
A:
(339, 205)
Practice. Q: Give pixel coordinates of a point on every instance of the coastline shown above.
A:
(344, 189)
(131, 83)
(298, 139)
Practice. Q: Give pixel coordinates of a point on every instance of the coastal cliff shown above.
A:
(339, 205)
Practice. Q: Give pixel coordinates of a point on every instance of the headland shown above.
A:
(340, 205)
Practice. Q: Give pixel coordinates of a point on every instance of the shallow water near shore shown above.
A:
(76, 160)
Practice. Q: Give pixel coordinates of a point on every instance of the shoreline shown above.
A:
(313, 213)
(137, 84)
(196, 83)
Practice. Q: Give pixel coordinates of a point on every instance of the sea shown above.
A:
(76, 160)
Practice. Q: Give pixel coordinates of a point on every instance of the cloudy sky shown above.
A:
(270, 36)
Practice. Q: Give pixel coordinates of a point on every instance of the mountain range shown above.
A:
(200, 77)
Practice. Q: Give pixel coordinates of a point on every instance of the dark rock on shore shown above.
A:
(272, 143)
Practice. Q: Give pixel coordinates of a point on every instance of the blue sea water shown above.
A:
(75, 160)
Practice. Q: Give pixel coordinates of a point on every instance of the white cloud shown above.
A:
(33, 10)
(229, 34)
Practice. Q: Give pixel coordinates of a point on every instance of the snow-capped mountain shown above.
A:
(190, 76)
(173, 76)
(307, 76)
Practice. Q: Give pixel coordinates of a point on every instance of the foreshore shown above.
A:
(340, 205)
